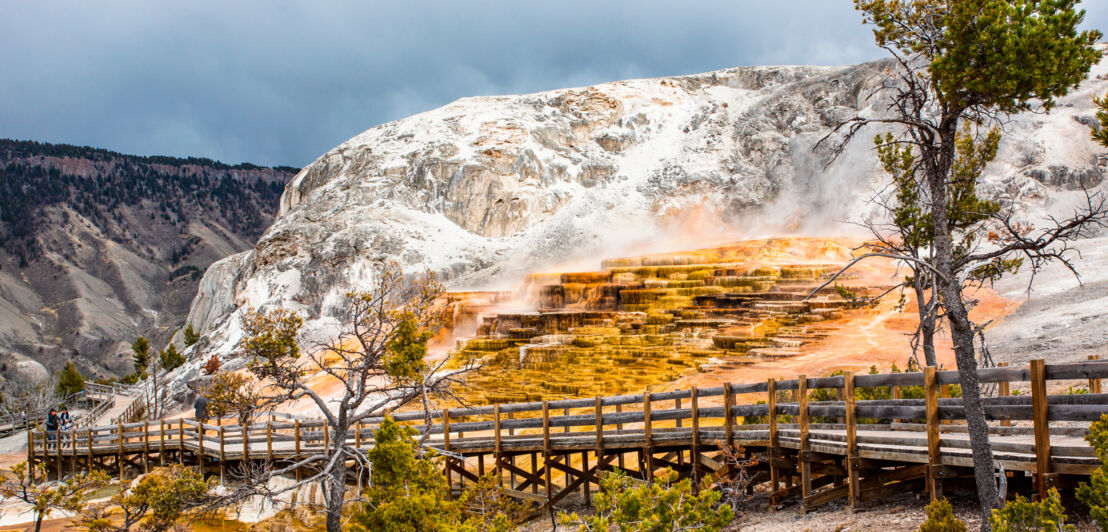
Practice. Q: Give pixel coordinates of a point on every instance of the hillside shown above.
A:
(97, 247)
(486, 189)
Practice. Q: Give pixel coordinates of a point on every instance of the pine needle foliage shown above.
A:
(664, 505)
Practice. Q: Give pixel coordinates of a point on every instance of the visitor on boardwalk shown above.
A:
(65, 422)
(52, 425)
(201, 406)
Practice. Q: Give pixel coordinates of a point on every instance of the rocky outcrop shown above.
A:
(486, 187)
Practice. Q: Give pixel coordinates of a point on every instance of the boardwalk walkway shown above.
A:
(815, 452)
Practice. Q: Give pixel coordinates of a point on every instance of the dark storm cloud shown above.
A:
(282, 82)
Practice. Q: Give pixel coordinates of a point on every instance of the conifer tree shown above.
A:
(70, 380)
(962, 66)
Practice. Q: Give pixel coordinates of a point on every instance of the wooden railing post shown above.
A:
(851, 441)
(694, 453)
(771, 417)
(496, 444)
(1003, 390)
(1041, 423)
(146, 447)
(88, 433)
(934, 459)
(200, 446)
(619, 429)
(805, 444)
(181, 442)
(599, 410)
(1094, 384)
(358, 435)
(546, 452)
(119, 457)
(648, 437)
(161, 443)
(31, 454)
(222, 454)
(728, 419)
(296, 448)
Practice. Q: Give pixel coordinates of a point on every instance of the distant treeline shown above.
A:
(244, 201)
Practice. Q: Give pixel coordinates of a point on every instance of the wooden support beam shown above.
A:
(119, 456)
(546, 452)
(296, 439)
(146, 447)
(772, 451)
(934, 459)
(496, 444)
(694, 451)
(1002, 390)
(805, 443)
(598, 426)
(161, 443)
(1042, 426)
(851, 440)
(648, 437)
(1094, 383)
(728, 419)
(181, 442)
(269, 441)
(222, 455)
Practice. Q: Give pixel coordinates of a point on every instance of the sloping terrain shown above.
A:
(485, 189)
(100, 247)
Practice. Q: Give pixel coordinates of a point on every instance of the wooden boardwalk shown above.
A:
(814, 452)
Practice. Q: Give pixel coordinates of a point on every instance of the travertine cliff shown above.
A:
(488, 186)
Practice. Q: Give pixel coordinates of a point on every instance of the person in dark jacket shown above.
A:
(201, 407)
(52, 425)
(64, 421)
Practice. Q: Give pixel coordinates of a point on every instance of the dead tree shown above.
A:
(378, 359)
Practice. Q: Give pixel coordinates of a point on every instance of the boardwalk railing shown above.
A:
(859, 449)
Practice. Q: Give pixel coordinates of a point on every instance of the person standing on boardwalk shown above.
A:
(201, 407)
(52, 425)
(64, 421)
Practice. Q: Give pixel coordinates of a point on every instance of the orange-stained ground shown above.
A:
(858, 340)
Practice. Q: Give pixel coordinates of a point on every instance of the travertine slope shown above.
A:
(485, 187)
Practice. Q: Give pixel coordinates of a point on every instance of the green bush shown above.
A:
(1095, 493)
(1022, 515)
(628, 505)
(940, 518)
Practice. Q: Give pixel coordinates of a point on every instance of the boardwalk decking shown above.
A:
(543, 452)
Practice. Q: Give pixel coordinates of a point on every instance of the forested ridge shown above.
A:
(95, 182)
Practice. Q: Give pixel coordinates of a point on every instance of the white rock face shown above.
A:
(485, 188)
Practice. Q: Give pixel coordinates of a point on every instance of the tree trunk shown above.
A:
(957, 316)
(38, 522)
(926, 321)
(337, 478)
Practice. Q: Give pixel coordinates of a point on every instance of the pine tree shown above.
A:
(190, 336)
(140, 354)
(171, 359)
(70, 380)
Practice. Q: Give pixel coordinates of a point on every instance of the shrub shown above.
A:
(940, 518)
(211, 367)
(665, 504)
(1022, 515)
(1095, 493)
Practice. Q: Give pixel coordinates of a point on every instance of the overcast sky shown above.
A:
(279, 82)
